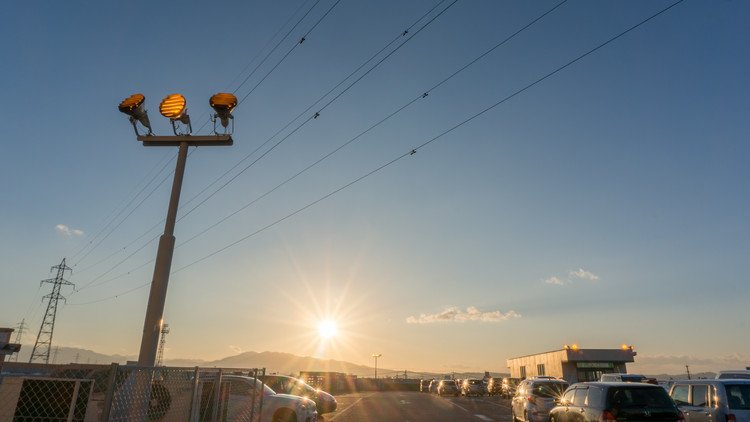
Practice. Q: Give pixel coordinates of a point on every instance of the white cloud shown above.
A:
(554, 280)
(579, 274)
(455, 314)
(584, 275)
(67, 231)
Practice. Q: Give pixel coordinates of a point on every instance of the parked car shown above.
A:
(534, 398)
(737, 374)
(244, 399)
(325, 403)
(424, 386)
(447, 387)
(622, 378)
(615, 401)
(494, 386)
(509, 387)
(432, 389)
(472, 387)
(713, 400)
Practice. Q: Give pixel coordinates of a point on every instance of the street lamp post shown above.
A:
(172, 107)
(376, 356)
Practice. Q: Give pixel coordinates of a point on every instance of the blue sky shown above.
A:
(605, 205)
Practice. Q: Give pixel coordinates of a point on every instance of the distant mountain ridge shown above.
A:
(275, 362)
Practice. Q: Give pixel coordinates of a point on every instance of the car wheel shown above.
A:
(284, 415)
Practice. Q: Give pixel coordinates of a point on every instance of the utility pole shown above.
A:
(44, 337)
(20, 329)
(376, 356)
(687, 368)
(162, 342)
(77, 356)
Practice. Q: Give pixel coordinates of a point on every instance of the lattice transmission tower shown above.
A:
(20, 329)
(44, 338)
(162, 342)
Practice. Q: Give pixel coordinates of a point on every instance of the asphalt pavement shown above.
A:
(402, 406)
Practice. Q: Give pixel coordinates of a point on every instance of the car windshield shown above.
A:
(738, 396)
(625, 397)
(549, 389)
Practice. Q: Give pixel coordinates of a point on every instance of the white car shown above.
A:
(244, 402)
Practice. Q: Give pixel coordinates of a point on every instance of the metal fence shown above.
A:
(125, 393)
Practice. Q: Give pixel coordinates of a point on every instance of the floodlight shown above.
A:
(173, 108)
(223, 103)
(133, 107)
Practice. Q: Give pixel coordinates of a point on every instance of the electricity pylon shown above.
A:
(19, 334)
(44, 338)
(162, 342)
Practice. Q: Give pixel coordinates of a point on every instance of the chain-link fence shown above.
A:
(130, 393)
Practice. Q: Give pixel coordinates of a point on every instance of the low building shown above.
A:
(572, 364)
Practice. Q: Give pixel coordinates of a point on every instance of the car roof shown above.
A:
(618, 384)
(714, 381)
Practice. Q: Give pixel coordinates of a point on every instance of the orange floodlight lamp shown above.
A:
(173, 107)
(223, 104)
(133, 107)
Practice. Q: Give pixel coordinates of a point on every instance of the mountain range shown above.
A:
(274, 362)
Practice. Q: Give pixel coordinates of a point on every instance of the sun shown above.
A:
(327, 329)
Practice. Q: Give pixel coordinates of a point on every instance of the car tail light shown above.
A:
(731, 417)
(531, 399)
(607, 416)
(680, 416)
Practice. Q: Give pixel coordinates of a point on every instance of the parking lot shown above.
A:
(417, 407)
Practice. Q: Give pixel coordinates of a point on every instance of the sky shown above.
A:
(605, 205)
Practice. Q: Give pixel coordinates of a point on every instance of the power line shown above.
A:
(312, 117)
(302, 40)
(267, 55)
(334, 151)
(269, 42)
(433, 139)
(409, 153)
(123, 219)
(243, 71)
(401, 34)
(124, 206)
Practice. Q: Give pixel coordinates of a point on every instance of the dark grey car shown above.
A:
(715, 400)
(615, 401)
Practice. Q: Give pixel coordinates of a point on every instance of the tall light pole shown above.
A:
(172, 107)
(376, 356)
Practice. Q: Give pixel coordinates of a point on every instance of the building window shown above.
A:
(523, 372)
(540, 369)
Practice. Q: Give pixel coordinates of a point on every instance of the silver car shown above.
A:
(713, 400)
(473, 387)
(534, 399)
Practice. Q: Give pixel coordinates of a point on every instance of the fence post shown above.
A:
(252, 399)
(110, 391)
(217, 398)
(195, 400)
(262, 393)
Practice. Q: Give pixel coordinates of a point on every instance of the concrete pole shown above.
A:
(162, 267)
